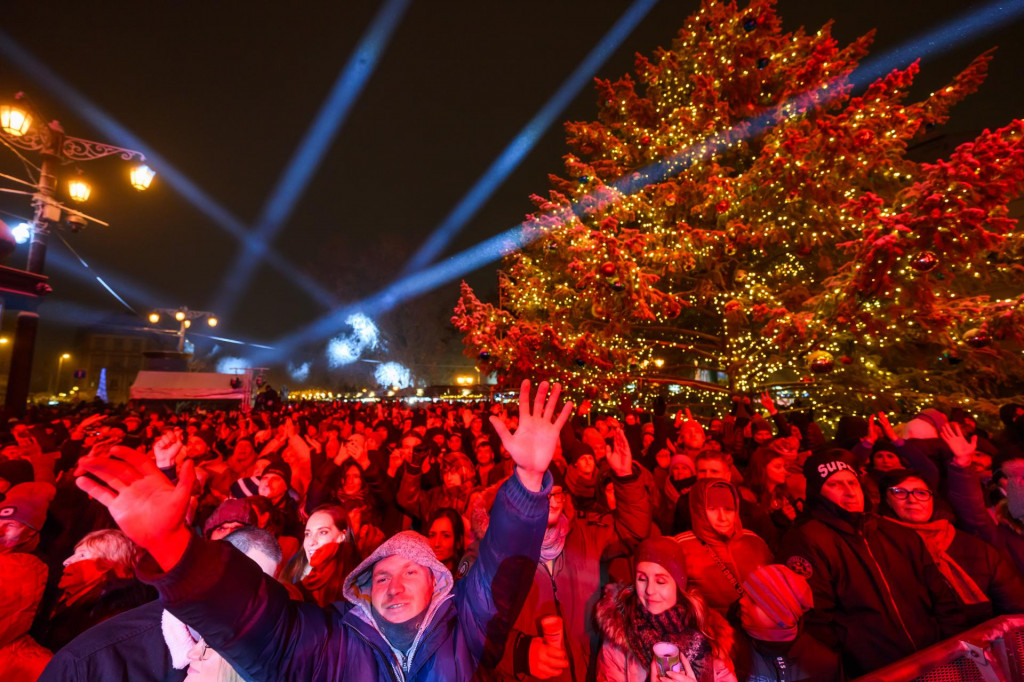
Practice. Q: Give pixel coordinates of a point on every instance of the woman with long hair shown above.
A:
(446, 532)
(767, 484)
(658, 608)
(318, 570)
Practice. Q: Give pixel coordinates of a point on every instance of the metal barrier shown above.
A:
(990, 652)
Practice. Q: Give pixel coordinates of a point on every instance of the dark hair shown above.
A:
(458, 529)
(756, 474)
(296, 566)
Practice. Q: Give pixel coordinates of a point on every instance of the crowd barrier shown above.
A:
(990, 652)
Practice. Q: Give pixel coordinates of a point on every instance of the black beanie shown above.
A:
(819, 467)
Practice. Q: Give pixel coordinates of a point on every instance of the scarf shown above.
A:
(81, 577)
(581, 487)
(554, 539)
(328, 568)
(644, 630)
(938, 536)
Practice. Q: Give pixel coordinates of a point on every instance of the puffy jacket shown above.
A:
(740, 553)
(968, 500)
(571, 584)
(248, 618)
(22, 579)
(877, 593)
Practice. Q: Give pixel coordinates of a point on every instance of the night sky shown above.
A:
(225, 92)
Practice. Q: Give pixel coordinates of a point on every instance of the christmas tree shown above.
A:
(739, 217)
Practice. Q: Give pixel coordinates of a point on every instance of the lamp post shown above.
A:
(18, 128)
(60, 370)
(183, 316)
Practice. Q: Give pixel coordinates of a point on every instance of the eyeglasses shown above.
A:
(903, 493)
(556, 495)
(204, 650)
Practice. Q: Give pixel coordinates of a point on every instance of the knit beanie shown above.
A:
(819, 467)
(782, 594)
(668, 554)
(280, 468)
(680, 458)
(230, 511)
(28, 503)
(786, 446)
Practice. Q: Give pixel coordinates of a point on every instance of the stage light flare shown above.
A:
(22, 233)
(365, 330)
(299, 372)
(231, 365)
(343, 350)
(393, 374)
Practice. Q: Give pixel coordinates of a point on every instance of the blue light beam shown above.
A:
(83, 106)
(945, 36)
(310, 153)
(527, 138)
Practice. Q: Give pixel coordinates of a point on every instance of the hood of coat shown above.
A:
(408, 544)
(698, 510)
(29, 573)
(611, 616)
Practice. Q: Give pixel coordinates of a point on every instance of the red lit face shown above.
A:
(401, 588)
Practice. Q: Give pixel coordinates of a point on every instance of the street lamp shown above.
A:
(60, 370)
(20, 128)
(184, 317)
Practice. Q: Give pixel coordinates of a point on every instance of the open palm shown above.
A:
(533, 444)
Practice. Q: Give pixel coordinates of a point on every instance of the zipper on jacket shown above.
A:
(892, 599)
(395, 674)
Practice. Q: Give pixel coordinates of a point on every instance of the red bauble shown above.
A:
(608, 269)
(977, 338)
(820, 362)
(646, 139)
(924, 261)
(846, 359)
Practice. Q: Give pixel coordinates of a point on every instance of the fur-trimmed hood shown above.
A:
(611, 616)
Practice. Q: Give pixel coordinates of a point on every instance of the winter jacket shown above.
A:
(570, 585)
(707, 551)
(109, 598)
(993, 572)
(128, 647)
(616, 662)
(248, 618)
(22, 579)
(968, 500)
(805, 659)
(877, 592)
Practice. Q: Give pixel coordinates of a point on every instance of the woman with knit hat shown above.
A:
(984, 579)
(771, 641)
(657, 607)
(719, 551)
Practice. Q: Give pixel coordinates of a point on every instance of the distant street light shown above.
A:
(60, 369)
(19, 128)
(184, 317)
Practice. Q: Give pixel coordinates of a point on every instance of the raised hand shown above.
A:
(166, 449)
(144, 503)
(620, 457)
(533, 444)
(962, 449)
(768, 403)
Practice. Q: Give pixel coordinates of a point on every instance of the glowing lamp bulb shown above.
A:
(212, 321)
(22, 233)
(14, 121)
(142, 176)
(154, 318)
(79, 189)
(179, 316)
(65, 356)
(188, 323)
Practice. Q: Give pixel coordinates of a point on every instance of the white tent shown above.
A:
(187, 386)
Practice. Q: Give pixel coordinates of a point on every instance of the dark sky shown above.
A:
(226, 91)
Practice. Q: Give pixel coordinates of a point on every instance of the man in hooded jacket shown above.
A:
(878, 595)
(403, 620)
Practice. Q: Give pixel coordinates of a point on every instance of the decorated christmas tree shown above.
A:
(741, 217)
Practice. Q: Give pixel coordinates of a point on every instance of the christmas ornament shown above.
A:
(924, 261)
(484, 355)
(977, 338)
(820, 362)
(646, 139)
(846, 359)
(617, 285)
(608, 269)
(584, 179)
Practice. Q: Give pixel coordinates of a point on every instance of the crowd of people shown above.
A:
(495, 541)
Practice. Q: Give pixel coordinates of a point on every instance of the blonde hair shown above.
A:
(115, 547)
